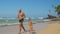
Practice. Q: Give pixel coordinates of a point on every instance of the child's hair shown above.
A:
(29, 18)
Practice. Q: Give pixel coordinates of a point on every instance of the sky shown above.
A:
(31, 8)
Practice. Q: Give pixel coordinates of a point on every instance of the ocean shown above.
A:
(13, 21)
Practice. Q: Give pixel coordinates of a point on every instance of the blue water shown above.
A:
(11, 21)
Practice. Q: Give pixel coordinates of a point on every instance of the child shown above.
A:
(30, 24)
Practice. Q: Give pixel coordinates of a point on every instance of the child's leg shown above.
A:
(30, 31)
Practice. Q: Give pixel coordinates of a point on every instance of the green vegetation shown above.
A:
(57, 9)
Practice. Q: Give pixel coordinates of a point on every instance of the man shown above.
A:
(21, 17)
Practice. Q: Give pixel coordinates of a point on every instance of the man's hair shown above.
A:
(20, 11)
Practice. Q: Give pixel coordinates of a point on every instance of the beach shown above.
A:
(51, 27)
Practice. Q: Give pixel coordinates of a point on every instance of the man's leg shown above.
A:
(20, 26)
(23, 27)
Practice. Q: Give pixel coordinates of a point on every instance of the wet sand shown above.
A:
(52, 27)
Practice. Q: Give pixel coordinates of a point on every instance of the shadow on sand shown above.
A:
(33, 32)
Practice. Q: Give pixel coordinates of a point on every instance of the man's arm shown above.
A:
(24, 15)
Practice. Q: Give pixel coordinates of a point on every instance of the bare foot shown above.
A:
(18, 32)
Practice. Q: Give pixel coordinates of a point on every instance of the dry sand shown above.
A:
(53, 28)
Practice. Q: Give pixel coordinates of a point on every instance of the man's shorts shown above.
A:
(21, 20)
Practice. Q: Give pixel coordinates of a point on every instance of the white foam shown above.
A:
(8, 24)
(46, 20)
(40, 17)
